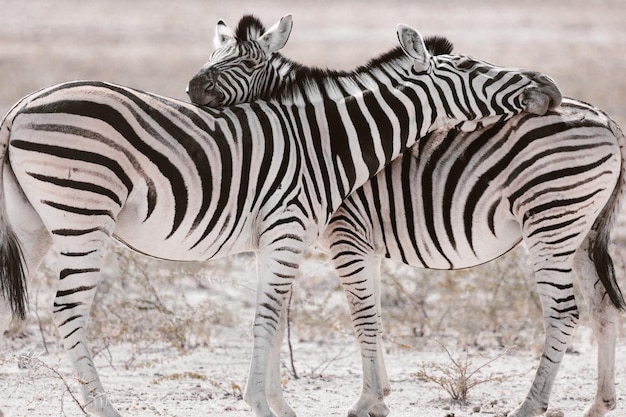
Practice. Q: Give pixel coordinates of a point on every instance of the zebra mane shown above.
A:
(249, 28)
(304, 82)
(301, 82)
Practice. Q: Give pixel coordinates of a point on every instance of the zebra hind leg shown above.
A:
(603, 315)
(81, 253)
(560, 317)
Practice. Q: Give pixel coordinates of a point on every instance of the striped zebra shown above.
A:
(88, 161)
(459, 199)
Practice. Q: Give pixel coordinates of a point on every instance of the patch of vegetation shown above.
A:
(178, 376)
(459, 376)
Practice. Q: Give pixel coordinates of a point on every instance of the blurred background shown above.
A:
(157, 45)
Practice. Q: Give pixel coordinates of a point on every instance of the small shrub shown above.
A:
(458, 377)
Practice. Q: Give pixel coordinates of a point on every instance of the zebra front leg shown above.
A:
(278, 264)
(560, 317)
(603, 316)
(360, 277)
(80, 263)
(274, 386)
(382, 369)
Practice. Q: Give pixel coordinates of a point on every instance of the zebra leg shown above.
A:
(80, 261)
(274, 386)
(560, 317)
(361, 283)
(603, 316)
(382, 369)
(278, 263)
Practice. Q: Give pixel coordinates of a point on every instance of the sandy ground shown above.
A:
(157, 45)
(208, 381)
(155, 378)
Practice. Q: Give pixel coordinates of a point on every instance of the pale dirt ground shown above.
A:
(157, 45)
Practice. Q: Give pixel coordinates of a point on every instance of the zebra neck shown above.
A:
(361, 134)
(291, 82)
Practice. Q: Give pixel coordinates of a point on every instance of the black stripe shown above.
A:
(408, 162)
(78, 185)
(318, 146)
(69, 271)
(362, 130)
(79, 210)
(65, 293)
(339, 149)
(393, 220)
(429, 182)
(285, 162)
(76, 232)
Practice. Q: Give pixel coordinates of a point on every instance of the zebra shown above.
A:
(459, 199)
(87, 161)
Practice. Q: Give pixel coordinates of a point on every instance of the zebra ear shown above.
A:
(413, 45)
(223, 35)
(276, 37)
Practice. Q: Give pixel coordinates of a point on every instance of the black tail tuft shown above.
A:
(598, 249)
(604, 265)
(12, 277)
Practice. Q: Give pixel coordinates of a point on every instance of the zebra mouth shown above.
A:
(213, 98)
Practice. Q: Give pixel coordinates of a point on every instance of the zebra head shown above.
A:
(485, 88)
(239, 70)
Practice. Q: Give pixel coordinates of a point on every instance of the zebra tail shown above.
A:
(12, 272)
(599, 245)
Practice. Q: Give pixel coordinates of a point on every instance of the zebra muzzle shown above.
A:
(541, 97)
(203, 90)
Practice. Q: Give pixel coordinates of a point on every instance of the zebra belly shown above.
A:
(432, 247)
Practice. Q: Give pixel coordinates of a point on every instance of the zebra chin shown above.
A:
(205, 99)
